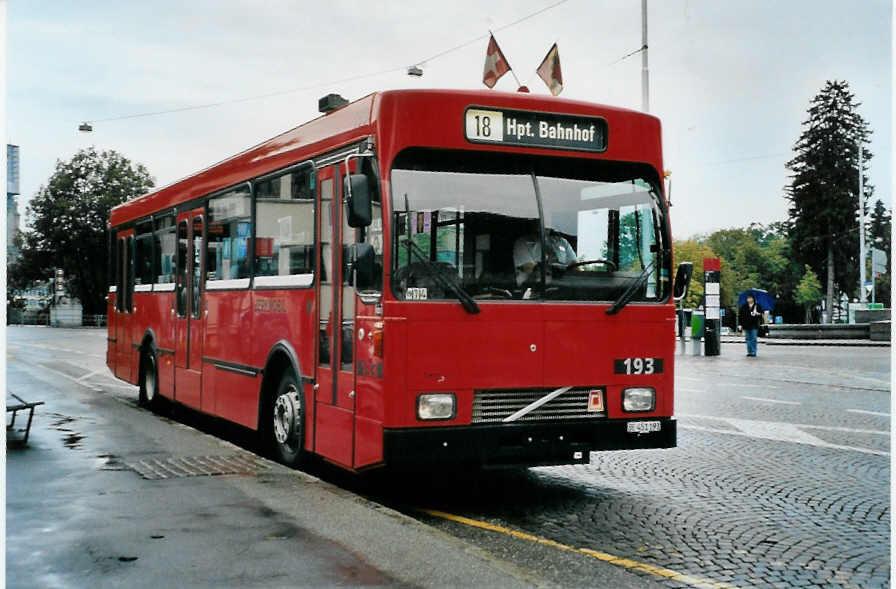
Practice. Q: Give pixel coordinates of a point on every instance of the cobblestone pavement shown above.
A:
(780, 479)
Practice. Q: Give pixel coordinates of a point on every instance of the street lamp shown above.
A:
(861, 229)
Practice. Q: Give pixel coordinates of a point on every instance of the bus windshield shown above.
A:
(519, 228)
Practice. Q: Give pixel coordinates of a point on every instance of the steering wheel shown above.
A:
(607, 263)
(492, 292)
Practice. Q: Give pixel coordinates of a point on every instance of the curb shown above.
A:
(809, 342)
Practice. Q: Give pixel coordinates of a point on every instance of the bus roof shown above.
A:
(413, 117)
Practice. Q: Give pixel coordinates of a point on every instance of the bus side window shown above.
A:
(119, 275)
(325, 305)
(181, 287)
(284, 240)
(196, 257)
(129, 270)
(347, 329)
(164, 250)
(112, 257)
(373, 234)
(229, 231)
(143, 254)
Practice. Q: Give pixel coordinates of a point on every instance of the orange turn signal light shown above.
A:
(376, 337)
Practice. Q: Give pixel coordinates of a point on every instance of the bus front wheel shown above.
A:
(286, 418)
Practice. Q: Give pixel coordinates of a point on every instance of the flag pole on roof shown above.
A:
(549, 71)
(496, 65)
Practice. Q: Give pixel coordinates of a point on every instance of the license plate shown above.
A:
(643, 427)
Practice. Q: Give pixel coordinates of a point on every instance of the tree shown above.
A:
(823, 192)
(879, 234)
(67, 222)
(760, 256)
(691, 250)
(808, 292)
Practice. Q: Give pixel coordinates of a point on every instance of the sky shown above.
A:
(730, 81)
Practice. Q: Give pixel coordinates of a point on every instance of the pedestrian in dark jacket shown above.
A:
(750, 318)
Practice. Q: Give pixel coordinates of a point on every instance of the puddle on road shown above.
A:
(60, 420)
(73, 440)
(109, 462)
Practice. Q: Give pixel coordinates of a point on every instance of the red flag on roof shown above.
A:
(549, 71)
(495, 64)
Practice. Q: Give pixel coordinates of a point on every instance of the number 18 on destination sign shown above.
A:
(485, 125)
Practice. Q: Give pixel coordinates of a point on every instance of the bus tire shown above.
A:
(149, 381)
(285, 421)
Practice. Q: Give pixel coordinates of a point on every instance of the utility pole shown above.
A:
(645, 76)
(861, 229)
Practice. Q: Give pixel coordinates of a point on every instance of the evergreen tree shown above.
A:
(67, 222)
(824, 187)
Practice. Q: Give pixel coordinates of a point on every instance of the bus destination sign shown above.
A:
(535, 129)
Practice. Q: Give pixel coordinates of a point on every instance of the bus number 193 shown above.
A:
(638, 366)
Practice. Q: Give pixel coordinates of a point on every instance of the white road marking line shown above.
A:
(691, 378)
(862, 411)
(89, 374)
(849, 430)
(779, 432)
(71, 378)
(819, 444)
(130, 387)
(832, 428)
(761, 400)
(747, 385)
(687, 390)
(827, 372)
(56, 349)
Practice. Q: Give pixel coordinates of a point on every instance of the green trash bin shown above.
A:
(697, 325)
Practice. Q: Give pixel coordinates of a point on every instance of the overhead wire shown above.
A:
(331, 82)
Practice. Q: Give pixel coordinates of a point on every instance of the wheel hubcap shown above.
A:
(150, 383)
(287, 408)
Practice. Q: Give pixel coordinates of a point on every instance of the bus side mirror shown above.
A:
(682, 280)
(363, 265)
(357, 198)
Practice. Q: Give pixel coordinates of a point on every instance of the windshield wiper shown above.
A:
(463, 296)
(626, 296)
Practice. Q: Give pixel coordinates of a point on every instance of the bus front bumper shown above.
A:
(510, 445)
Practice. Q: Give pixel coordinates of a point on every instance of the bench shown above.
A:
(20, 404)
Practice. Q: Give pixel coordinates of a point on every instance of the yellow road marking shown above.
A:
(626, 563)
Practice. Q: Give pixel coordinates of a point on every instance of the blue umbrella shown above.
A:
(765, 300)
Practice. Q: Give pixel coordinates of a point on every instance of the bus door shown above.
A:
(335, 391)
(188, 311)
(124, 305)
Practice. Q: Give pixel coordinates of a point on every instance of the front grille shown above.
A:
(493, 406)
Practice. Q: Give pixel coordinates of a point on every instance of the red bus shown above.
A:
(416, 278)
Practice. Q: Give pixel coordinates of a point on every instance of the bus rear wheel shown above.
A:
(286, 419)
(149, 381)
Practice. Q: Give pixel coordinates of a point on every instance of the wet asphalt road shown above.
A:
(781, 478)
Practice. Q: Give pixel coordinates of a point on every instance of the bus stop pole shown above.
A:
(713, 325)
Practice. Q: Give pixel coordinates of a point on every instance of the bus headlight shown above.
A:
(638, 399)
(436, 406)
